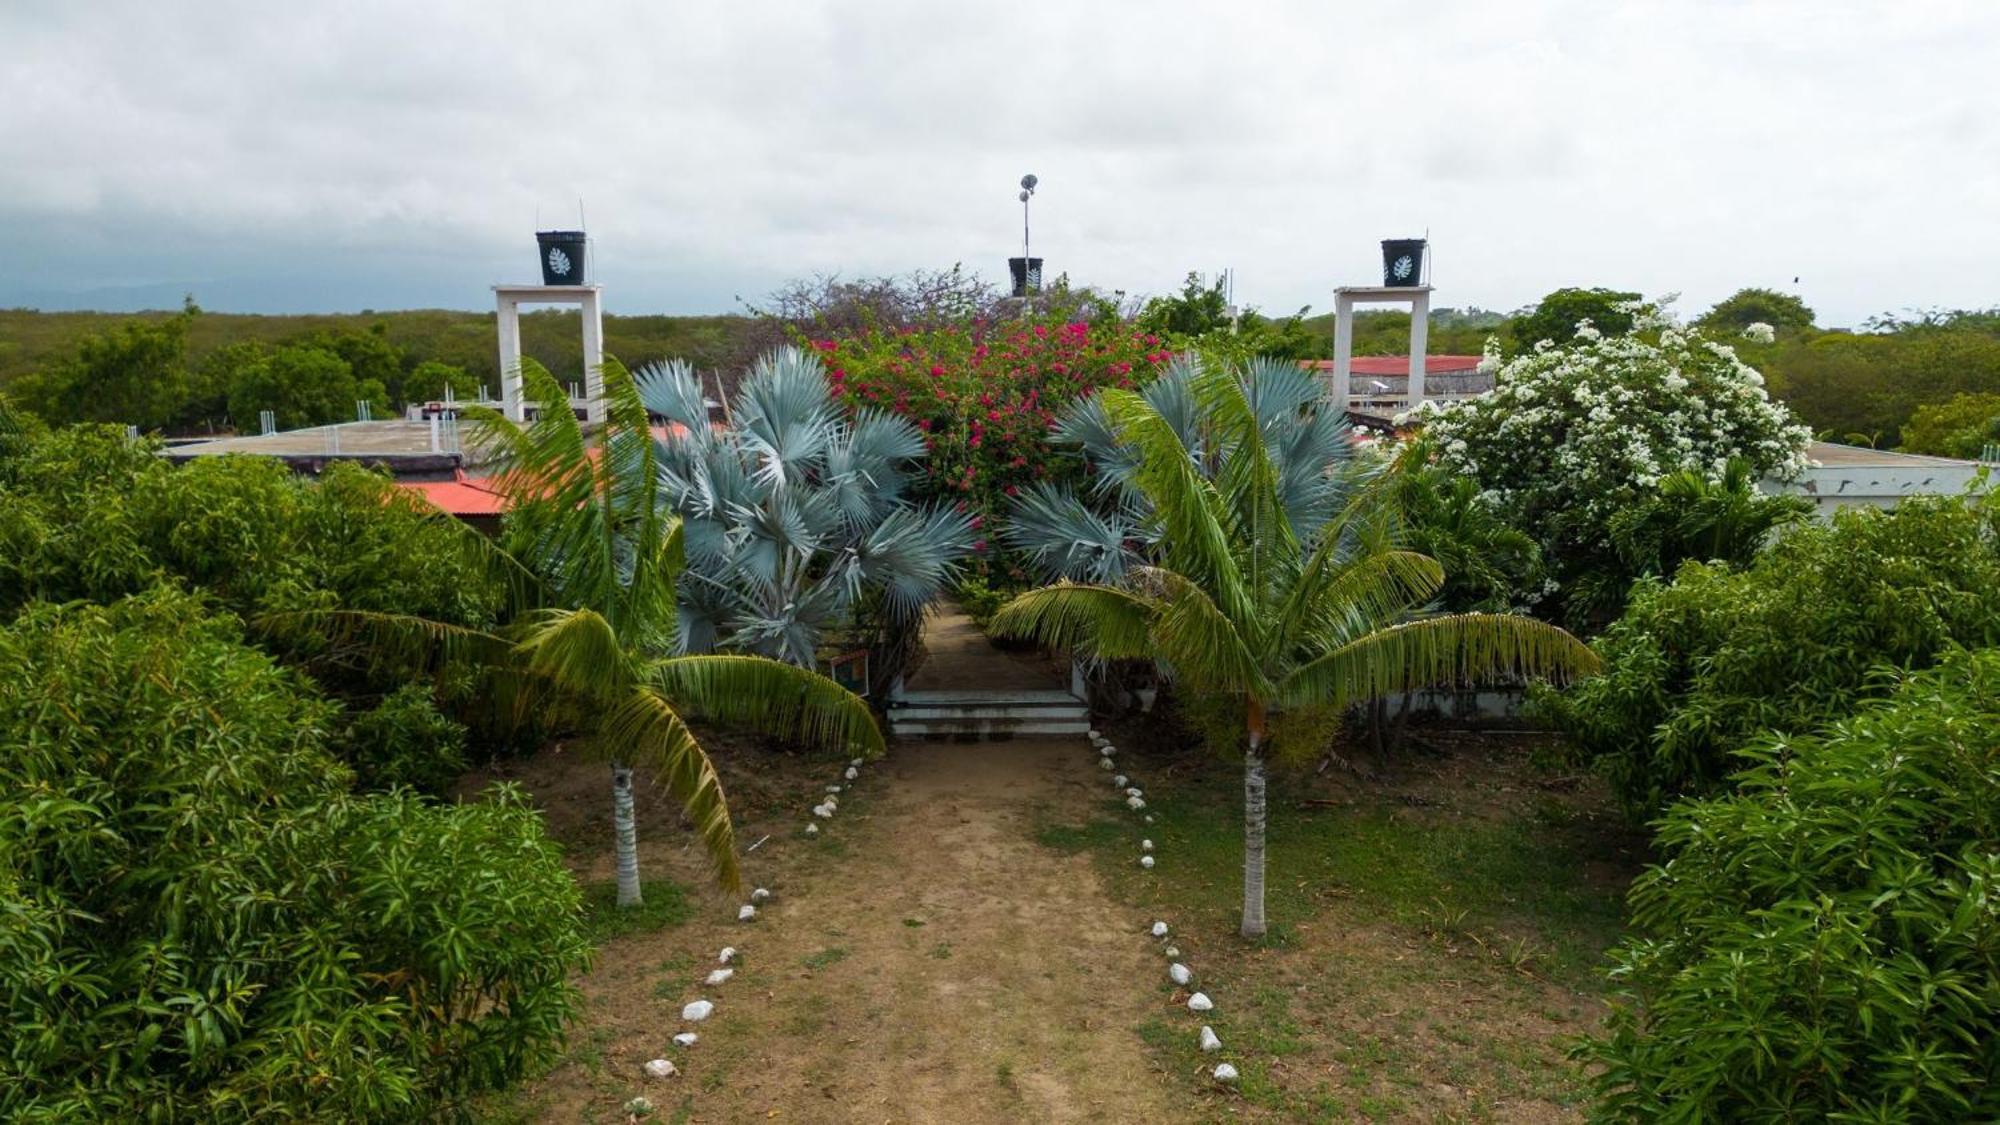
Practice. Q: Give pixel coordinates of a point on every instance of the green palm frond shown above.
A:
(642, 727)
(1105, 622)
(576, 649)
(774, 697)
(1194, 535)
(1331, 602)
(1452, 651)
(1203, 647)
(398, 641)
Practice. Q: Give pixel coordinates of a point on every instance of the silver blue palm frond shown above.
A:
(795, 512)
(1067, 539)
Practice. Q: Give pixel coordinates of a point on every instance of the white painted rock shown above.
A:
(1107, 749)
(833, 789)
(1225, 1073)
(662, 1068)
(1094, 734)
(685, 1039)
(760, 896)
(1121, 781)
(1134, 791)
(823, 812)
(727, 955)
(856, 762)
(1149, 818)
(1200, 1002)
(1135, 803)
(746, 913)
(719, 976)
(1145, 845)
(1180, 973)
(812, 829)
(1208, 1040)
(1159, 929)
(852, 773)
(1146, 862)
(1105, 764)
(831, 801)
(639, 1107)
(697, 1011)
(1172, 952)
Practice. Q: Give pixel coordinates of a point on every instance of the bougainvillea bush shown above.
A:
(986, 394)
(1572, 435)
(1823, 944)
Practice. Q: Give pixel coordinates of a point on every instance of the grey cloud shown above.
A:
(376, 154)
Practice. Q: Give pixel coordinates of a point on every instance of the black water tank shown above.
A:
(1027, 274)
(562, 256)
(1402, 262)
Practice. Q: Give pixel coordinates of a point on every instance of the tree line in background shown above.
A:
(1927, 382)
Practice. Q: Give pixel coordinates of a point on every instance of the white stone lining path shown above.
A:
(1180, 974)
(697, 1010)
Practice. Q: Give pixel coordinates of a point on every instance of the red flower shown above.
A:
(979, 545)
(1012, 490)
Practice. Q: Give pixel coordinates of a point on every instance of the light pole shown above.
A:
(1026, 269)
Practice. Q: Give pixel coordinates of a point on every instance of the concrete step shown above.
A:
(1027, 712)
(986, 729)
(949, 697)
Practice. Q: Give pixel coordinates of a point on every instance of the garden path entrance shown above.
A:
(946, 966)
(923, 959)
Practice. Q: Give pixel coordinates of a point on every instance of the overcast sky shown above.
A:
(273, 156)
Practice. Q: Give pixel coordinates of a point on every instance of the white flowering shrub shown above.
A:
(1568, 436)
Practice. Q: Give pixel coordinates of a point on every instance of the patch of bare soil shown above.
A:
(924, 959)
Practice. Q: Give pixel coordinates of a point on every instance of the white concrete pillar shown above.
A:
(593, 356)
(511, 403)
(1420, 331)
(1343, 348)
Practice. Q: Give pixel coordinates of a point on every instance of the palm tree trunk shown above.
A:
(1253, 826)
(626, 832)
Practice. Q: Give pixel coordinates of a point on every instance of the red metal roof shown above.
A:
(462, 497)
(1400, 364)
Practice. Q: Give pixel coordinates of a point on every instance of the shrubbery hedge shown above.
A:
(203, 923)
(1824, 942)
(1696, 667)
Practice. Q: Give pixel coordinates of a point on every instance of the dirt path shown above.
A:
(950, 968)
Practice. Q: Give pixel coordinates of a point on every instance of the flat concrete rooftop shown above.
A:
(1831, 455)
(404, 448)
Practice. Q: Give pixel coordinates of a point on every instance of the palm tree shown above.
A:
(1265, 576)
(795, 513)
(588, 521)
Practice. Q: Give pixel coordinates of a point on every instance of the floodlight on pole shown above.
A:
(1026, 269)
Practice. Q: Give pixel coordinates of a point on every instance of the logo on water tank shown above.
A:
(1401, 269)
(559, 262)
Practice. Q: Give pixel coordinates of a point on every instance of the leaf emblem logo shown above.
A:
(1402, 267)
(558, 262)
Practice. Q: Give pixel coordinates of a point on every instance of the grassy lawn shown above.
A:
(1434, 936)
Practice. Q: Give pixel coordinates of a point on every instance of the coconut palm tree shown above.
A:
(589, 522)
(1261, 573)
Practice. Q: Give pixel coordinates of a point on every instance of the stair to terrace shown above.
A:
(966, 690)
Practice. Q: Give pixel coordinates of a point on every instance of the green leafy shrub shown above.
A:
(203, 924)
(1824, 943)
(404, 741)
(1696, 667)
(87, 513)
